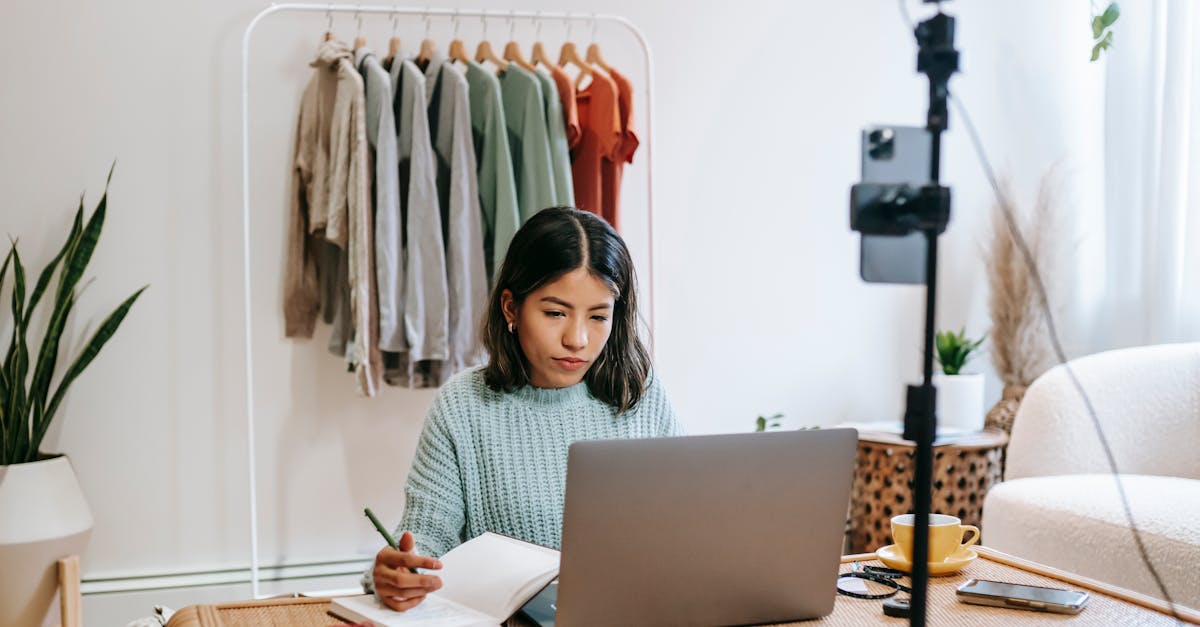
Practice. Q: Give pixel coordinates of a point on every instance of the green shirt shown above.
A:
(528, 139)
(560, 155)
(497, 189)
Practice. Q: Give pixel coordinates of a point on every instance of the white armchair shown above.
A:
(1060, 506)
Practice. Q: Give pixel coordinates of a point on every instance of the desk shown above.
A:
(963, 471)
(1108, 606)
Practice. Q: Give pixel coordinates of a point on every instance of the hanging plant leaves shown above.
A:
(1111, 14)
(1102, 29)
(1103, 44)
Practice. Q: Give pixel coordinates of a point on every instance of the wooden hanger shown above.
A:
(512, 50)
(593, 50)
(568, 54)
(593, 57)
(457, 50)
(394, 42)
(485, 53)
(539, 54)
(428, 47)
(571, 56)
(359, 40)
(427, 50)
(329, 26)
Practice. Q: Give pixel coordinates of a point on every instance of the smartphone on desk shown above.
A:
(1023, 597)
(540, 610)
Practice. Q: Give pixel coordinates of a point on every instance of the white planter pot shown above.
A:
(43, 518)
(959, 401)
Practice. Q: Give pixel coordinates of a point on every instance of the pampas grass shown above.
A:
(1021, 348)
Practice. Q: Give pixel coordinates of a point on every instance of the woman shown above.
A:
(565, 364)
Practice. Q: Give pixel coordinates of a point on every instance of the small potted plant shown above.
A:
(776, 422)
(959, 394)
(763, 423)
(43, 514)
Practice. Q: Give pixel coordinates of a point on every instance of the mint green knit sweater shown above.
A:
(497, 461)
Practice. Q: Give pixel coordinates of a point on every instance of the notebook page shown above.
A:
(496, 574)
(432, 612)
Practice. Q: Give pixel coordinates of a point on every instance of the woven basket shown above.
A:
(882, 487)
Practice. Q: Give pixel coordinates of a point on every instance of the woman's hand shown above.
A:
(397, 586)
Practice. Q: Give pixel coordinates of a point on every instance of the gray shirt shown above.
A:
(389, 260)
(422, 277)
(458, 190)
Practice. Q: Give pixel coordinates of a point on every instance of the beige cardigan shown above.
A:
(331, 202)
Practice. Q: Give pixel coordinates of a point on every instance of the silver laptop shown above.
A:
(704, 530)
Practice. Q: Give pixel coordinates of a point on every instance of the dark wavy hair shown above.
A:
(552, 243)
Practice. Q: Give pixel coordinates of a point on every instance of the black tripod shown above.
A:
(899, 210)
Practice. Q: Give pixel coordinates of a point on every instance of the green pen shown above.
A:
(384, 532)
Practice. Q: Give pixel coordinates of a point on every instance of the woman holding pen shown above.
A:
(564, 364)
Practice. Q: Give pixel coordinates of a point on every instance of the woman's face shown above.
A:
(562, 327)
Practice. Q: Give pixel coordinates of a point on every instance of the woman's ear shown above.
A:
(508, 305)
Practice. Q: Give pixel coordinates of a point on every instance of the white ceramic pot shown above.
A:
(959, 401)
(43, 518)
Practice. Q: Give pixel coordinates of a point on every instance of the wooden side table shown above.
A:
(963, 471)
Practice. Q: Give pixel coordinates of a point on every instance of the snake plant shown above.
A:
(28, 400)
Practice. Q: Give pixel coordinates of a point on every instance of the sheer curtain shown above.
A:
(1152, 179)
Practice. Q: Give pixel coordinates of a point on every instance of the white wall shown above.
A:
(759, 308)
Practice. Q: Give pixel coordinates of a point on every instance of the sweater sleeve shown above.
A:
(301, 292)
(434, 506)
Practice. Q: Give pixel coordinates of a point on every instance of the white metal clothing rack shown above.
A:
(428, 13)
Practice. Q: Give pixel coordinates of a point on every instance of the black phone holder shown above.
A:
(900, 209)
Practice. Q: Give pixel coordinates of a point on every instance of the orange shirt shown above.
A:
(566, 93)
(600, 140)
(611, 171)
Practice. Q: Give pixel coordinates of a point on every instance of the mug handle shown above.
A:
(974, 536)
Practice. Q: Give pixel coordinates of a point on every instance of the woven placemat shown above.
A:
(287, 615)
(297, 612)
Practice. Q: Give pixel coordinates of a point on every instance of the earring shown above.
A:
(512, 327)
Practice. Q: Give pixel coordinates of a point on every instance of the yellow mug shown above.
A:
(945, 535)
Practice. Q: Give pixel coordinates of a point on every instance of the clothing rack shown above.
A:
(427, 12)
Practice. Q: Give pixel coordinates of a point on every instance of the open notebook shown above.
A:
(484, 581)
